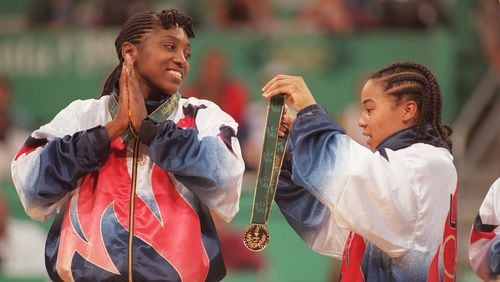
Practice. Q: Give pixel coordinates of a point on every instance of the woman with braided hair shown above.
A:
(132, 176)
(390, 212)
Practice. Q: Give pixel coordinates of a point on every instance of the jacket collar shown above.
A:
(407, 137)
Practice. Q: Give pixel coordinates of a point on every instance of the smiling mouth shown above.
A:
(176, 74)
(368, 138)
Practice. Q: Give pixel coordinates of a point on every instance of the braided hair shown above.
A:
(412, 81)
(134, 29)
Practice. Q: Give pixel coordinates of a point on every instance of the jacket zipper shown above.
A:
(132, 208)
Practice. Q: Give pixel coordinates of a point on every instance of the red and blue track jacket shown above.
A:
(132, 210)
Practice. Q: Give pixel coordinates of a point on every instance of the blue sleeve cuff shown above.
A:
(311, 109)
(148, 131)
(92, 147)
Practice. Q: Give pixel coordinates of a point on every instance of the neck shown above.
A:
(408, 136)
(152, 93)
(156, 96)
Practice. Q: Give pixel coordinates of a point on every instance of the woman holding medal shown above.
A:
(131, 176)
(390, 212)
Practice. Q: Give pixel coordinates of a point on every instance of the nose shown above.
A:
(362, 121)
(180, 58)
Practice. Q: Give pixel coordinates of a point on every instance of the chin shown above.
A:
(170, 90)
(169, 87)
(372, 147)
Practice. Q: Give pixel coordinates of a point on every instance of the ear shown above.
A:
(410, 111)
(129, 48)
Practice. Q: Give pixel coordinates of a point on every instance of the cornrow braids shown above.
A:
(134, 29)
(412, 81)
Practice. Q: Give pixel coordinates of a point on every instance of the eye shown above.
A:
(369, 111)
(169, 46)
(187, 55)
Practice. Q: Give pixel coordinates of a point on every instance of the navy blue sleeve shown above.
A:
(313, 140)
(63, 161)
(304, 212)
(201, 164)
(311, 122)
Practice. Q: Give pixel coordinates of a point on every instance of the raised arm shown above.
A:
(369, 193)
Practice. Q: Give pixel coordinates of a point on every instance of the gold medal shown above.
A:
(256, 237)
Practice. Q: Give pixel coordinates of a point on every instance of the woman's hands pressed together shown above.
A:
(131, 106)
(137, 106)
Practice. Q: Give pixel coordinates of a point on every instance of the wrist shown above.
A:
(149, 131)
(114, 130)
(311, 108)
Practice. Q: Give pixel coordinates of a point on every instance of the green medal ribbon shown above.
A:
(256, 236)
(160, 114)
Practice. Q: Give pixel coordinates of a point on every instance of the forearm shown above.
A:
(310, 218)
(47, 174)
(300, 208)
(212, 168)
(316, 143)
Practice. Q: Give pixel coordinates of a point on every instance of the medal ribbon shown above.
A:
(160, 114)
(273, 150)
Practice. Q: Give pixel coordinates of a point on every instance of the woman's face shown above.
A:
(162, 58)
(380, 115)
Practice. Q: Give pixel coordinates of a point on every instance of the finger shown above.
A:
(274, 79)
(285, 88)
(291, 84)
(128, 63)
(123, 80)
(131, 69)
(131, 83)
(135, 94)
(123, 94)
(284, 128)
(283, 131)
(278, 80)
(286, 111)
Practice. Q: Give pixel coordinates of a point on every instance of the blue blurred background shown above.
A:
(55, 51)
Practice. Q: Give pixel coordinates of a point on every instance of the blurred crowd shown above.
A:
(330, 16)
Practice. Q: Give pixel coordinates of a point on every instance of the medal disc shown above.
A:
(256, 237)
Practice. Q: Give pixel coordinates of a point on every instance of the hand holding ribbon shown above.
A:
(256, 236)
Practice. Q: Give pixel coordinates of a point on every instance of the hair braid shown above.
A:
(409, 80)
(134, 29)
(437, 104)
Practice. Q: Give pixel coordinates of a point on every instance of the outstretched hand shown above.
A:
(297, 95)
